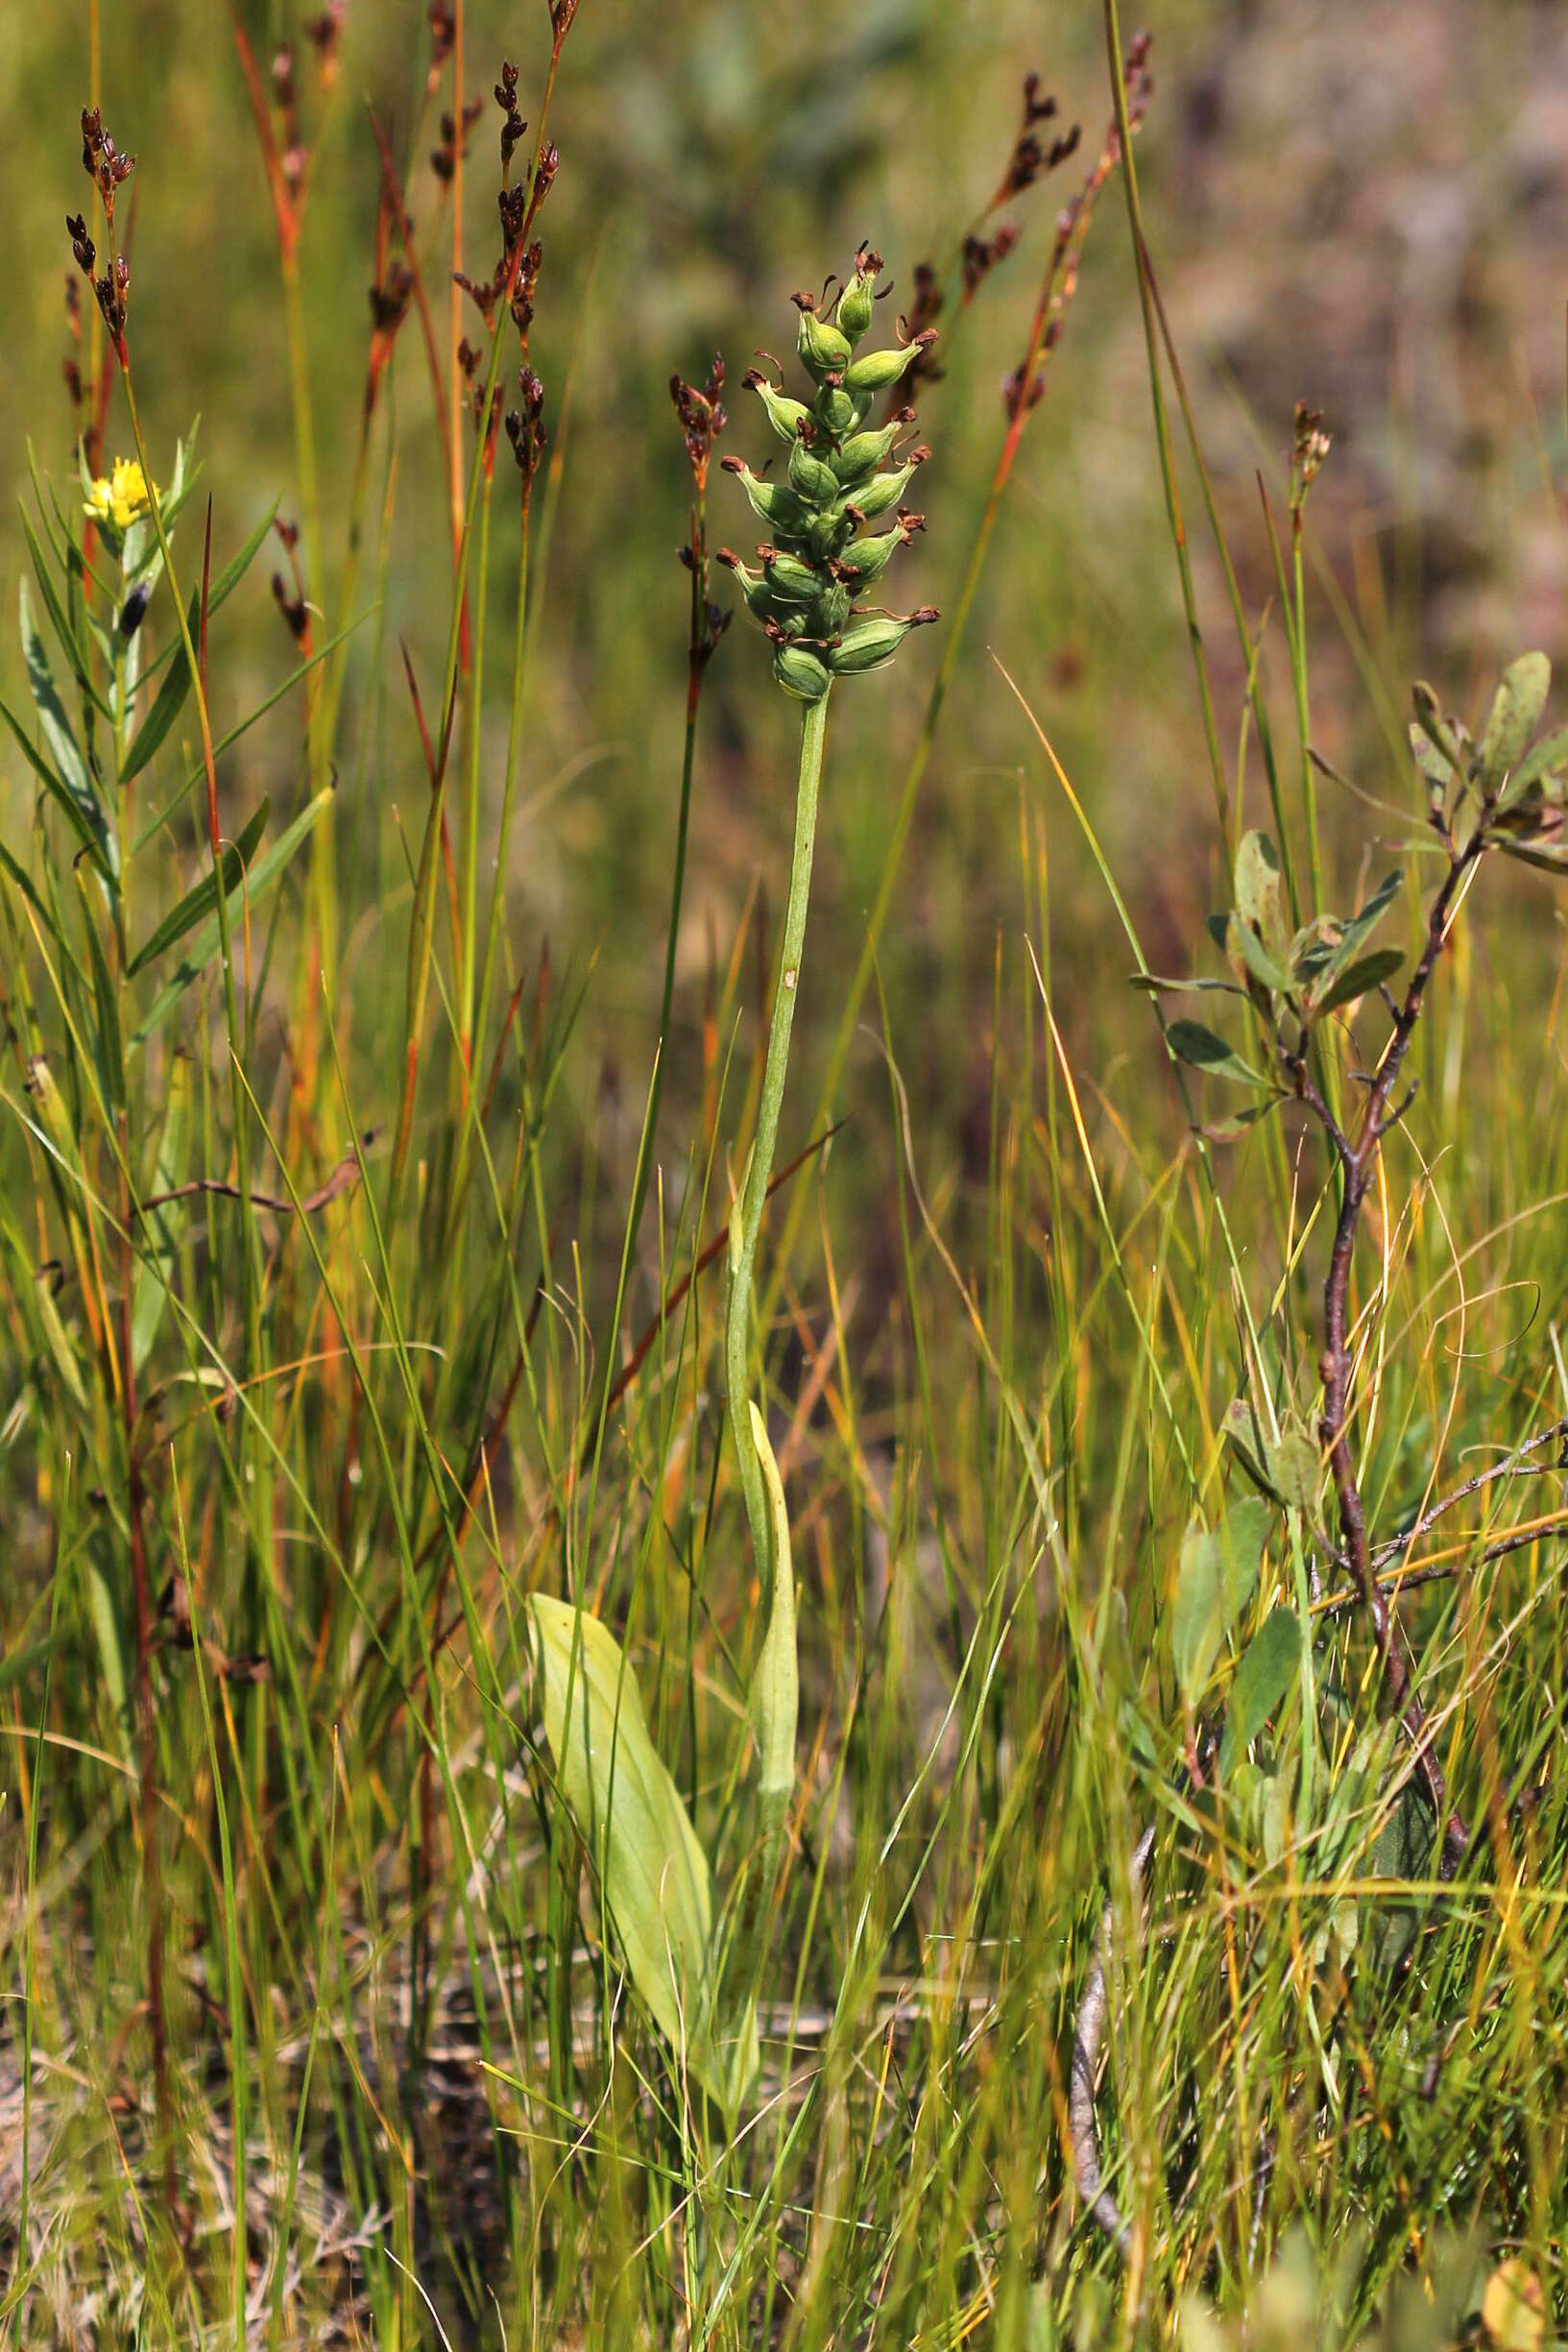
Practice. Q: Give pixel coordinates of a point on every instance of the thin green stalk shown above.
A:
(746, 1220)
(1161, 424)
(465, 949)
(1298, 648)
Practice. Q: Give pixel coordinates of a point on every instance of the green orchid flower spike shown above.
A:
(804, 590)
(839, 478)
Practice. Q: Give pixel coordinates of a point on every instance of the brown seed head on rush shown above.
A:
(325, 34)
(703, 418)
(525, 427)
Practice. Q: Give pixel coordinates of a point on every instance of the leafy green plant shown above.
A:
(1503, 793)
(807, 598)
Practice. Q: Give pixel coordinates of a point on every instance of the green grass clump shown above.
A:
(647, 1706)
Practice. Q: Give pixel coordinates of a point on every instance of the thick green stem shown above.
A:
(746, 1222)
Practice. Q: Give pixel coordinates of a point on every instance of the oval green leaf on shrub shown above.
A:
(1268, 1667)
(1190, 1042)
(1218, 1577)
(1514, 716)
(1368, 972)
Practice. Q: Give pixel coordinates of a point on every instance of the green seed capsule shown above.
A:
(863, 453)
(760, 590)
(883, 492)
(823, 349)
(878, 371)
(785, 416)
(838, 411)
(830, 611)
(792, 582)
(772, 501)
(868, 646)
(869, 558)
(800, 673)
(827, 536)
(854, 307)
(816, 483)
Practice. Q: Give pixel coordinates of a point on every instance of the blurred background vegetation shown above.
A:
(1361, 206)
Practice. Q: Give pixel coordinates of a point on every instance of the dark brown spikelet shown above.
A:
(703, 418)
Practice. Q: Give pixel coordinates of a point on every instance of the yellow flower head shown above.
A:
(118, 500)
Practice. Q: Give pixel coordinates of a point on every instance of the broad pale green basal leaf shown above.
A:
(652, 1873)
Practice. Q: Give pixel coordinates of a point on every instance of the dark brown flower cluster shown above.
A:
(109, 169)
(703, 418)
(1032, 155)
(454, 140)
(325, 34)
(512, 126)
(525, 427)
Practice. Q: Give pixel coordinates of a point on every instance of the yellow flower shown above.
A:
(119, 499)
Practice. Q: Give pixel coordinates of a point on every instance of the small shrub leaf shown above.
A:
(1368, 972)
(1269, 1668)
(1243, 943)
(1190, 1042)
(1257, 881)
(1217, 1578)
(1514, 716)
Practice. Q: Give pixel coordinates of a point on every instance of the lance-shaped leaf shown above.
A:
(1248, 952)
(1359, 979)
(248, 891)
(1542, 760)
(65, 774)
(111, 1054)
(202, 898)
(1346, 950)
(652, 1873)
(1190, 1042)
(176, 686)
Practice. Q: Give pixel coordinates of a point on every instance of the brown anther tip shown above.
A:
(909, 523)
(726, 557)
(923, 614)
(926, 336)
(752, 378)
(732, 465)
(804, 302)
(918, 457)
